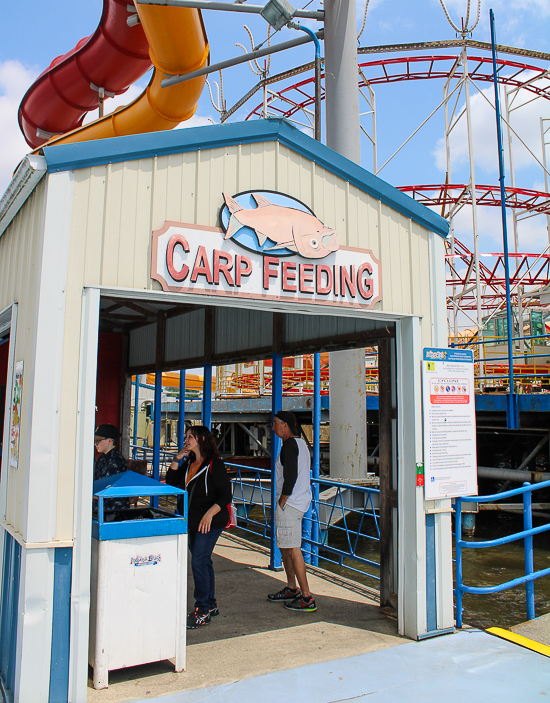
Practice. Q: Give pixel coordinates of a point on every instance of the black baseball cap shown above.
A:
(107, 432)
(290, 419)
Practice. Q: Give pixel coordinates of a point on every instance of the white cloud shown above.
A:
(532, 232)
(197, 121)
(14, 80)
(525, 121)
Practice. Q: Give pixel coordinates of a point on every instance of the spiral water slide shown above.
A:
(172, 39)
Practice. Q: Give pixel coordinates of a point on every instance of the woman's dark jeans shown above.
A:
(201, 547)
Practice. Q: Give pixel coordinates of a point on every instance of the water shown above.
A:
(489, 567)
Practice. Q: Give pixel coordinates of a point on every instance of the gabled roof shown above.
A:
(142, 146)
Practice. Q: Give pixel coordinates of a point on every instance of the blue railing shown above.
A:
(141, 452)
(336, 528)
(526, 535)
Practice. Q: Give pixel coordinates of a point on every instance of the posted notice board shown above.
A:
(450, 461)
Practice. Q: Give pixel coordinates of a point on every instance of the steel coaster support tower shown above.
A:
(348, 420)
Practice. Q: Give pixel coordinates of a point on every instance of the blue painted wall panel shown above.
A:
(11, 574)
(61, 623)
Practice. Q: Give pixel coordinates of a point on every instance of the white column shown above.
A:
(80, 585)
(442, 508)
(35, 513)
(411, 590)
(348, 412)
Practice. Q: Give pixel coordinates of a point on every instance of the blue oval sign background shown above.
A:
(246, 237)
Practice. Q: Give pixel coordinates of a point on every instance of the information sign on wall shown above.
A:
(450, 461)
(15, 426)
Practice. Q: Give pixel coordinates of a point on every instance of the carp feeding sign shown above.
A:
(266, 251)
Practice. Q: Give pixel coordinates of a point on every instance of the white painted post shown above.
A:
(411, 591)
(80, 586)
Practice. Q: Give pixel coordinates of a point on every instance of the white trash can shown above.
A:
(138, 579)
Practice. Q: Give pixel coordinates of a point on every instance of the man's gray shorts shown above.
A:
(289, 527)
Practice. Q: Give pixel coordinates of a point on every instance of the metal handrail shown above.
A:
(252, 495)
(526, 535)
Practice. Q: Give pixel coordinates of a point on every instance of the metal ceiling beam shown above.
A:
(229, 7)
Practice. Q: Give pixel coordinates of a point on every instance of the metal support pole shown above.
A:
(250, 56)
(181, 411)
(156, 431)
(206, 414)
(317, 123)
(276, 405)
(479, 317)
(316, 469)
(545, 167)
(348, 414)
(511, 409)
(458, 554)
(136, 410)
(528, 546)
(385, 468)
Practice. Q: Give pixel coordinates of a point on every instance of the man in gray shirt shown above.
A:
(293, 493)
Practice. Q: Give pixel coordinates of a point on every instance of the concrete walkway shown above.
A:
(253, 637)
(468, 666)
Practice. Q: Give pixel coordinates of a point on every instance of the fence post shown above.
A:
(136, 410)
(316, 458)
(181, 411)
(276, 405)
(156, 432)
(207, 396)
(458, 556)
(528, 545)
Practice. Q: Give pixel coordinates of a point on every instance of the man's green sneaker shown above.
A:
(304, 605)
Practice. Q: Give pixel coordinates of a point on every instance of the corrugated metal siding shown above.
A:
(302, 328)
(184, 336)
(117, 206)
(237, 329)
(20, 252)
(143, 346)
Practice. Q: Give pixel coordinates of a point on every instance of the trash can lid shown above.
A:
(129, 484)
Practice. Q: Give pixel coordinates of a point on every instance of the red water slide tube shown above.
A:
(112, 58)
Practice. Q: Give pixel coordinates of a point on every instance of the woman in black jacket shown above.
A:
(199, 469)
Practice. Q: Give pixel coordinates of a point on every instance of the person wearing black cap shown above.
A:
(109, 462)
(293, 491)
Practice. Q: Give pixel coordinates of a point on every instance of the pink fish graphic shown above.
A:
(288, 227)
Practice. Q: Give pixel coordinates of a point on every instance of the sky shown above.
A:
(33, 32)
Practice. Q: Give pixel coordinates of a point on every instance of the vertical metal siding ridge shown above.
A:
(229, 326)
(142, 345)
(9, 609)
(117, 149)
(61, 626)
(184, 338)
(311, 327)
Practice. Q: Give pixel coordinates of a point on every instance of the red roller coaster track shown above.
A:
(300, 96)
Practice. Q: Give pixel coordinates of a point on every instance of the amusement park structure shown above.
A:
(475, 280)
(476, 290)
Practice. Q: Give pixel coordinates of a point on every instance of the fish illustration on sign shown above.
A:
(287, 227)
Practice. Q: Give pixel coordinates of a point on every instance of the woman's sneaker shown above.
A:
(197, 619)
(285, 593)
(305, 605)
(215, 611)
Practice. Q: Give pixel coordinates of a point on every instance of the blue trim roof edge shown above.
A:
(68, 157)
